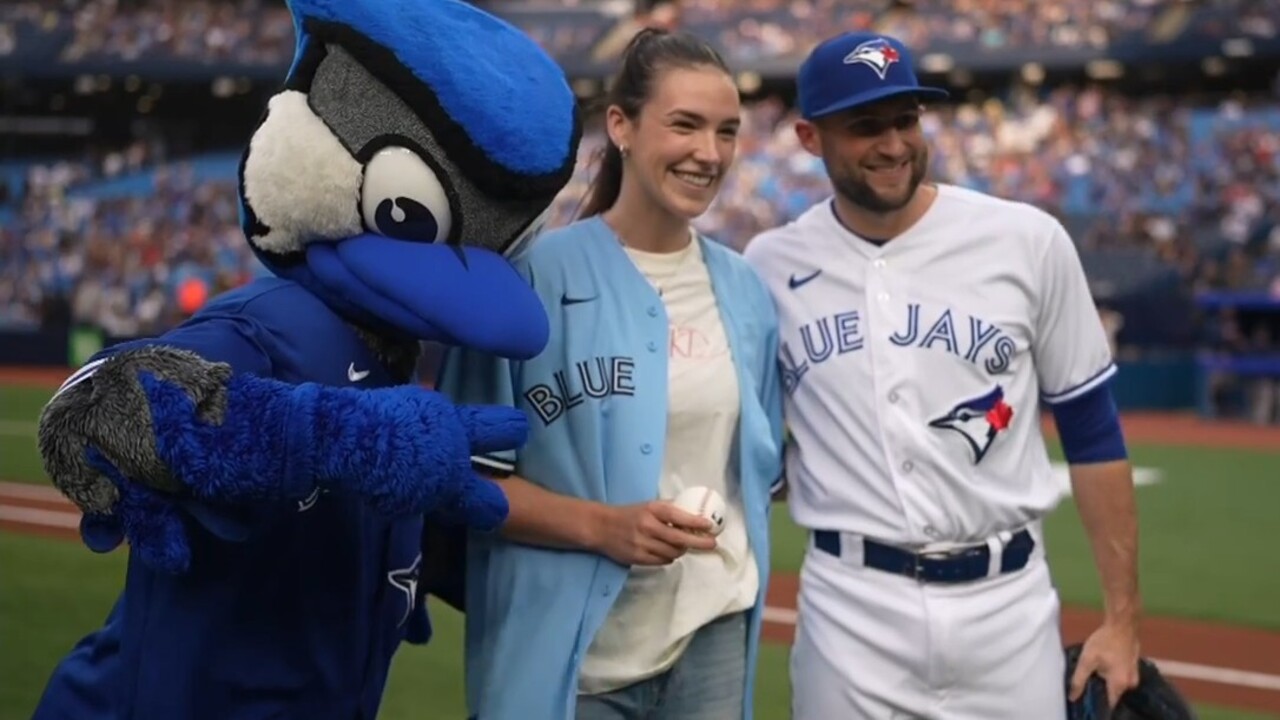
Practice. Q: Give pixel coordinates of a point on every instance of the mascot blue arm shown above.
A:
(270, 461)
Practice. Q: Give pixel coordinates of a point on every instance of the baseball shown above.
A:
(703, 501)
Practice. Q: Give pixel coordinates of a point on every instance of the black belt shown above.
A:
(949, 566)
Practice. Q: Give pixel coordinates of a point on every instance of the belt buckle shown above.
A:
(918, 560)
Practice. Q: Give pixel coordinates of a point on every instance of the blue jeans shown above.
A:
(706, 683)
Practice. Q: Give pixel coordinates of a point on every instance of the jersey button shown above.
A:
(883, 297)
(646, 448)
(879, 262)
(907, 466)
(653, 346)
(893, 397)
(653, 311)
(931, 531)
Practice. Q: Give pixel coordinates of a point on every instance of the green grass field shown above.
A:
(1204, 541)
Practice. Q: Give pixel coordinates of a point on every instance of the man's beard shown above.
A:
(858, 191)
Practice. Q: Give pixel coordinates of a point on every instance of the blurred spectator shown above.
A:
(564, 33)
(1112, 323)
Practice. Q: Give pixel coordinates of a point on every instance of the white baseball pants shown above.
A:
(871, 645)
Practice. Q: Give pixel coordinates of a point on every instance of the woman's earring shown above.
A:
(624, 150)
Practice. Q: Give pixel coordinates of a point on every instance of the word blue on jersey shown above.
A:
(597, 400)
(272, 462)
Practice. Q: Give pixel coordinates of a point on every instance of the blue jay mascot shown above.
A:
(273, 463)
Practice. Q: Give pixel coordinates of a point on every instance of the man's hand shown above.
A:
(1104, 496)
(652, 533)
(1112, 651)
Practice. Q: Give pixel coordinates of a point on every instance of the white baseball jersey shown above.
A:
(912, 371)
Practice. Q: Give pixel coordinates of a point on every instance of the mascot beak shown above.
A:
(465, 295)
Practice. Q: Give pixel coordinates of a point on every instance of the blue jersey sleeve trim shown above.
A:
(1089, 427)
(491, 464)
(85, 372)
(1094, 381)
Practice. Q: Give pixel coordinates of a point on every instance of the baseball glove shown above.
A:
(1153, 699)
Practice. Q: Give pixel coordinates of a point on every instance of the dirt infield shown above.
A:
(1214, 663)
(33, 376)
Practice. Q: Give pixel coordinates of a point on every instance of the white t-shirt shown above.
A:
(659, 608)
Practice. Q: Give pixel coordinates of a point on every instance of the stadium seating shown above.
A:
(1016, 151)
(1167, 197)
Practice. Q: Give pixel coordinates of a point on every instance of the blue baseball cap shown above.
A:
(854, 69)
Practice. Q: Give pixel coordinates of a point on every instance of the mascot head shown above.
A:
(415, 146)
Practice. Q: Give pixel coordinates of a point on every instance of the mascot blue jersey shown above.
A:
(285, 489)
(291, 608)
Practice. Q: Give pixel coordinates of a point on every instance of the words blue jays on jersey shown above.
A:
(968, 337)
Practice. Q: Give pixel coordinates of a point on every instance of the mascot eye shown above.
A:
(403, 198)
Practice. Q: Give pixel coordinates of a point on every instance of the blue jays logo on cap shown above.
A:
(878, 54)
(978, 420)
(854, 69)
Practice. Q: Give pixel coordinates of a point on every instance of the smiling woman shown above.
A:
(660, 377)
(672, 121)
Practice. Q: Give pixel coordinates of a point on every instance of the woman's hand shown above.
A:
(652, 533)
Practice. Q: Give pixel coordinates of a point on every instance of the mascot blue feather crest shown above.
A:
(272, 462)
(476, 98)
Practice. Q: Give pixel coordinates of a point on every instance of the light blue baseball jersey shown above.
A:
(597, 404)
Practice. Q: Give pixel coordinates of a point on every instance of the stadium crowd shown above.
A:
(118, 263)
(997, 24)
(259, 32)
(1202, 190)
(749, 29)
(247, 32)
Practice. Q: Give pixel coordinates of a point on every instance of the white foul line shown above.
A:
(1223, 676)
(1172, 668)
(782, 616)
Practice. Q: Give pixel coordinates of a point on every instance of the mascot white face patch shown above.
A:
(299, 179)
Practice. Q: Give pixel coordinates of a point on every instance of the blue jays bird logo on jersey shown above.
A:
(876, 54)
(978, 421)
